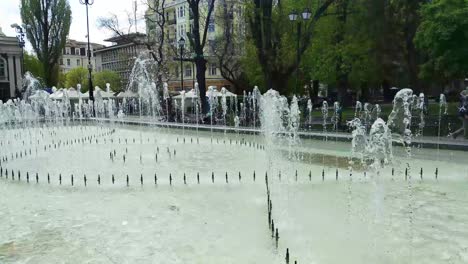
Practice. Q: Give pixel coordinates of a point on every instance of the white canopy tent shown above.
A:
(104, 94)
(127, 94)
(58, 94)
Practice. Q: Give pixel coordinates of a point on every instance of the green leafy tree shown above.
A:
(76, 76)
(341, 54)
(62, 80)
(275, 37)
(48, 27)
(101, 78)
(33, 65)
(443, 35)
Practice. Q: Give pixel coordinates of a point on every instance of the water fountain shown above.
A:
(182, 200)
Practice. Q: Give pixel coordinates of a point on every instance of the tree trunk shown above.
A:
(200, 63)
(279, 82)
(314, 90)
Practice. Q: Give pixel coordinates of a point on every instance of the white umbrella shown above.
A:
(127, 94)
(73, 93)
(188, 95)
(58, 94)
(40, 94)
(104, 93)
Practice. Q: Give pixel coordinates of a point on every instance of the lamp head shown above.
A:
(306, 14)
(293, 16)
(181, 42)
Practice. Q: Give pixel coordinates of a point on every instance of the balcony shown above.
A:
(171, 21)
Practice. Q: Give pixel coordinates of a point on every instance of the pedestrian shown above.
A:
(463, 115)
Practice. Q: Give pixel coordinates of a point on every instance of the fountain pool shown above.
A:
(211, 215)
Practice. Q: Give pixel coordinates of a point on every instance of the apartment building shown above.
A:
(74, 55)
(121, 54)
(178, 22)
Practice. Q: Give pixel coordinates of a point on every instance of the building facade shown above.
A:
(178, 22)
(74, 55)
(121, 55)
(10, 67)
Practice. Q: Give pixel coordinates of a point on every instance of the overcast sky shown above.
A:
(9, 14)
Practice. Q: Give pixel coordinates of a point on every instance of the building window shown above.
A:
(213, 69)
(67, 51)
(188, 71)
(82, 51)
(78, 62)
(61, 61)
(3, 69)
(72, 50)
(181, 11)
(68, 62)
(211, 25)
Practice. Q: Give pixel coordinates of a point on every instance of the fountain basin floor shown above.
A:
(363, 218)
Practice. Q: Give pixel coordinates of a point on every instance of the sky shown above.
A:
(10, 13)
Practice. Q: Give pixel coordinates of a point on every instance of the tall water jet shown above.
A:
(293, 125)
(367, 115)
(309, 110)
(99, 103)
(273, 107)
(380, 143)
(324, 117)
(224, 106)
(376, 110)
(142, 82)
(213, 105)
(31, 86)
(166, 100)
(357, 109)
(359, 139)
(197, 105)
(421, 108)
(256, 95)
(442, 105)
(399, 120)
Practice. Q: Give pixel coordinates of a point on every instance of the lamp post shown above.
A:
(21, 42)
(181, 46)
(294, 17)
(90, 66)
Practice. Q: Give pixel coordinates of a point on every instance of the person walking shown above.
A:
(463, 115)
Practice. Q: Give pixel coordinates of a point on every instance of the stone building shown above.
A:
(178, 22)
(10, 67)
(121, 55)
(74, 55)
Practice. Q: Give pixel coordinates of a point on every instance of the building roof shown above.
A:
(76, 43)
(127, 38)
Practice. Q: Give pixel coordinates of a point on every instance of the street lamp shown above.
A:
(21, 42)
(181, 43)
(294, 17)
(90, 66)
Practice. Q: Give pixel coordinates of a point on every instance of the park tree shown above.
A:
(48, 27)
(102, 78)
(408, 17)
(228, 47)
(274, 37)
(202, 13)
(342, 53)
(443, 36)
(62, 80)
(78, 75)
(33, 65)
